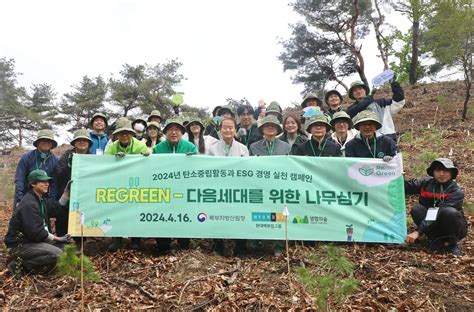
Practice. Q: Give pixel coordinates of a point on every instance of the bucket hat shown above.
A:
(443, 162)
(45, 134)
(311, 96)
(81, 134)
(174, 121)
(270, 120)
(153, 124)
(358, 83)
(273, 107)
(194, 120)
(154, 113)
(98, 115)
(123, 124)
(366, 115)
(320, 118)
(341, 115)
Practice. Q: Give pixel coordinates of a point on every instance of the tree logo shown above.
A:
(366, 171)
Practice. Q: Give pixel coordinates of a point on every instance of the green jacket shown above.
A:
(183, 147)
(135, 147)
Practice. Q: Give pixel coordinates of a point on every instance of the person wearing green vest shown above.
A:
(125, 144)
(174, 144)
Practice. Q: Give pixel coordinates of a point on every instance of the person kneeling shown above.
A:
(439, 213)
(29, 240)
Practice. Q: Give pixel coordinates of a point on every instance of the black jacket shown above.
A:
(27, 224)
(211, 130)
(300, 139)
(312, 148)
(62, 172)
(384, 146)
(434, 194)
(356, 107)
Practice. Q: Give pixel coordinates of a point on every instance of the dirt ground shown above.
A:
(390, 277)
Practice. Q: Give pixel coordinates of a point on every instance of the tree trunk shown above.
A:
(414, 53)
(466, 101)
(467, 66)
(20, 136)
(378, 35)
(352, 44)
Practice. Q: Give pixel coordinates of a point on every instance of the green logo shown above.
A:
(366, 171)
(301, 220)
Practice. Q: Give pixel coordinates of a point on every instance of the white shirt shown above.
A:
(236, 149)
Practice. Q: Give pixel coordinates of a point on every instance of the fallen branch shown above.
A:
(136, 285)
(205, 303)
(201, 278)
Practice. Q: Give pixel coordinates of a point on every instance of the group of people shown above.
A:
(365, 129)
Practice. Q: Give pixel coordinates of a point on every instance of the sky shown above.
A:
(229, 48)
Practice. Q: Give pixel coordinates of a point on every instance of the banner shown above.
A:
(176, 195)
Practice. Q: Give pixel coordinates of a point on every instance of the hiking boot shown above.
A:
(116, 244)
(135, 243)
(454, 249)
(15, 270)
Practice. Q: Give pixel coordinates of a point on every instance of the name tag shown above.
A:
(99, 151)
(432, 214)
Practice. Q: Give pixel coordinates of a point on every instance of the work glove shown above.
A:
(120, 155)
(387, 158)
(64, 198)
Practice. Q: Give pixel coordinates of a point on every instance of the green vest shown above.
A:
(183, 147)
(135, 147)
